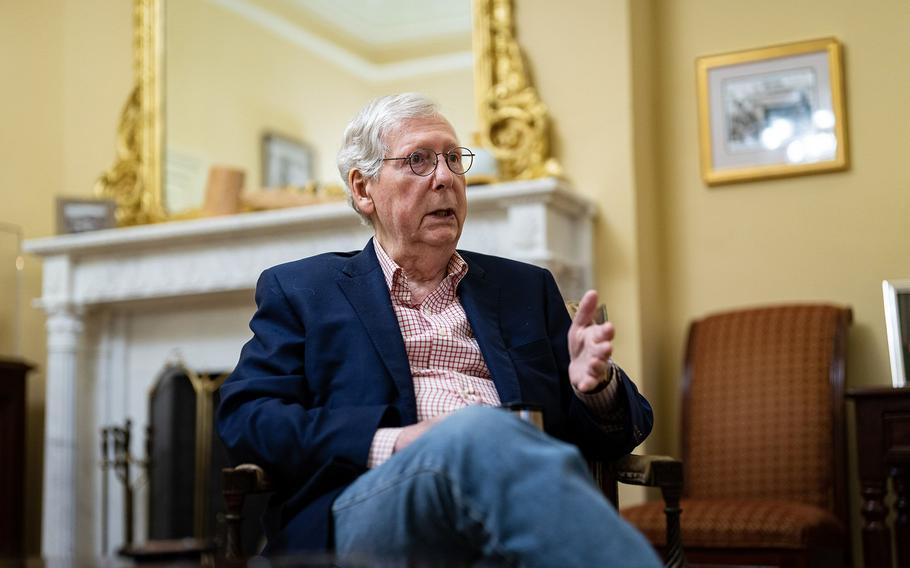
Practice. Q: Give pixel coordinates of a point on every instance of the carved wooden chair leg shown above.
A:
(675, 557)
(233, 516)
(668, 475)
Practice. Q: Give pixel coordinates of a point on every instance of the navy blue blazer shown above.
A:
(327, 366)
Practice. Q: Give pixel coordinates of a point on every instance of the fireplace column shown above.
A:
(58, 531)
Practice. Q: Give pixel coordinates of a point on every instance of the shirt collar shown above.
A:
(456, 269)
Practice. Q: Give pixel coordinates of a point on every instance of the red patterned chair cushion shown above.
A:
(741, 523)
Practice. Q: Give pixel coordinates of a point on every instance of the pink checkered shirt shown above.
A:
(447, 366)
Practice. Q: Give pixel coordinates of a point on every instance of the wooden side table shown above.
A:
(883, 451)
(12, 455)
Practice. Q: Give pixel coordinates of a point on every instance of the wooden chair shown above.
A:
(763, 439)
(644, 470)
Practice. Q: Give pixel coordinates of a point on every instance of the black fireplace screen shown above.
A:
(185, 459)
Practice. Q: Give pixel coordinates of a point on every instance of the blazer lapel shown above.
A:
(480, 299)
(364, 285)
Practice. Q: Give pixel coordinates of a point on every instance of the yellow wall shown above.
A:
(583, 62)
(827, 237)
(66, 72)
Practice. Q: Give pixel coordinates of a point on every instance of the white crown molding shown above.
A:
(346, 59)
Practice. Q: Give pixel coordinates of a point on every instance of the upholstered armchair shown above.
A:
(762, 439)
(664, 472)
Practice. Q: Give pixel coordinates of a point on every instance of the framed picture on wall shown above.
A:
(772, 112)
(897, 322)
(286, 162)
(78, 215)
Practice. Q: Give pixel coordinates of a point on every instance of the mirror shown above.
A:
(217, 80)
(253, 83)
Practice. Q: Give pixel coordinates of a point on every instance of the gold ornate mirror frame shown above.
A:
(512, 120)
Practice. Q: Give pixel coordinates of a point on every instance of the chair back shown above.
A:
(763, 405)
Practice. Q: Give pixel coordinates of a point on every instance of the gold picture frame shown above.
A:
(772, 112)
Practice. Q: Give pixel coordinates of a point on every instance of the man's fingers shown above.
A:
(601, 350)
(585, 313)
(599, 333)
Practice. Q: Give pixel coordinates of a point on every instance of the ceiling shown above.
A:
(384, 23)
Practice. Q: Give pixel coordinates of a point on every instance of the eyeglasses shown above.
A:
(423, 162)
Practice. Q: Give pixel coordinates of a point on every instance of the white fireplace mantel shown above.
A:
(122, 302)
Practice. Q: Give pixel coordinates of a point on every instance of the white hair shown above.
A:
(363, 146)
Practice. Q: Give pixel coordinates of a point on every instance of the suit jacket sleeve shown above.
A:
(267, 413)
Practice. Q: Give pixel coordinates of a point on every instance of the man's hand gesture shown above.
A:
(590, 346)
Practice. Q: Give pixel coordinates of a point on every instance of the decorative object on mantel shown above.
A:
(279, 198)
(514, 122)
(772, 112)
(897, 322)
(222, 191)
(225, 195)
(78, 215)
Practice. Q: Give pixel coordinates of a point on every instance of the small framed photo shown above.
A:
(285, 162)
(772, 112)
(897, 323)
(78, 215)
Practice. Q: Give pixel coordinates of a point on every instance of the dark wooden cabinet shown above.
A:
(12, 455)
(883, 452)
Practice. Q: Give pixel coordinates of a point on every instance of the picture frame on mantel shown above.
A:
(772, 112)
(79, 215)
(286, 162)
(897, 323)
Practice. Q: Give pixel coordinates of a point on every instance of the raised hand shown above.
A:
(590, 346)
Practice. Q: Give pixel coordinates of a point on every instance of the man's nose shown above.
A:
(442, 176)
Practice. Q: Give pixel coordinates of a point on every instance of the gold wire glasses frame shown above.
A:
(423, 161)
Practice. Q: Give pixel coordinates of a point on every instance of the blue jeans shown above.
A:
(483, 485)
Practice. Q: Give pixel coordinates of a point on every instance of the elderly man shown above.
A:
(369, 388)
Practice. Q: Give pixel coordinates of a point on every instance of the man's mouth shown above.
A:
(443, 213)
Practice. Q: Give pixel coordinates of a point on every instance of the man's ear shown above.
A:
(360, 192)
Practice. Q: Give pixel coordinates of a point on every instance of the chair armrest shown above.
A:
(246, 478)
(650, 471)
(236, 484)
